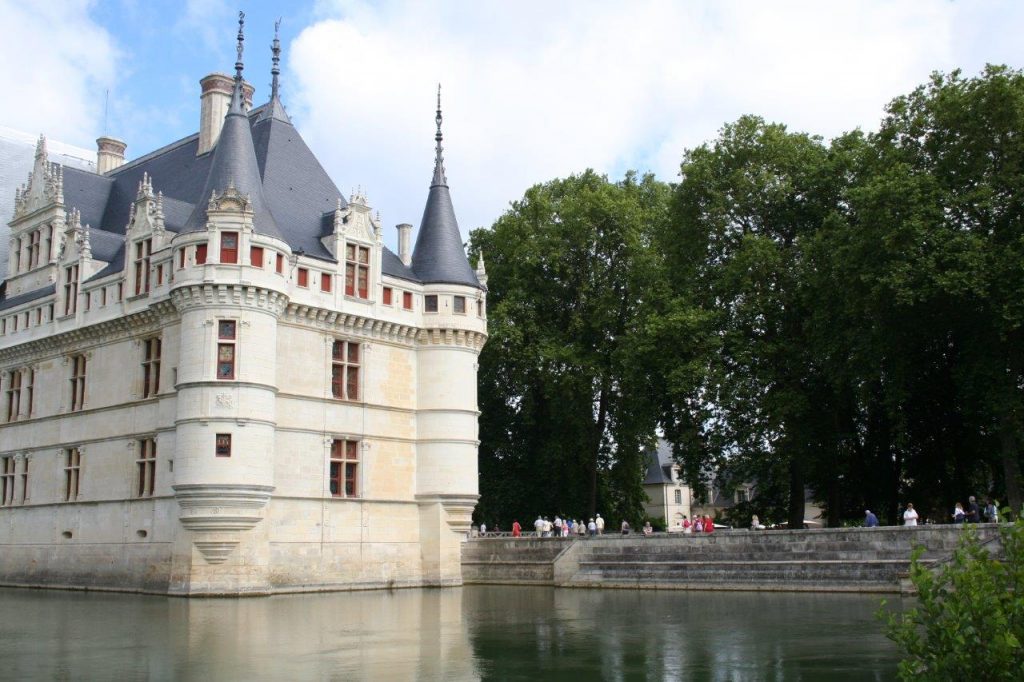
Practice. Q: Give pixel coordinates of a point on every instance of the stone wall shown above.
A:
(848, 559)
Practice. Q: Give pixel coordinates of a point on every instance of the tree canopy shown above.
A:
(841, 317)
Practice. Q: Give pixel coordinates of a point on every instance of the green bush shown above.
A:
(968, 622)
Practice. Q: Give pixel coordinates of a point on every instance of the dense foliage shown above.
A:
(838, 317)
(969, 614)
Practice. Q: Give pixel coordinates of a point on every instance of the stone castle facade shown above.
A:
(216, 379)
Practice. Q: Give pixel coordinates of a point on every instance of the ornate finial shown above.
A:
(439, 177)
(241, 39)
(275, 70)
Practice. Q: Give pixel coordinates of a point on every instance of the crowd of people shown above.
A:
(543, 527)
(973, 513)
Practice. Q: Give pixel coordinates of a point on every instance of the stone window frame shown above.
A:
(152, 349)
(227, 349)
(72, 474)
(346, 363)
(343, 468)
(145, 468)
(357, 270)
(79, 364)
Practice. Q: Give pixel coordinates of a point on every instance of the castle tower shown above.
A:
(226, 414)
(453, 333)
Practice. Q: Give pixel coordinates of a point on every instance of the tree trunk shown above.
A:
(796, 492)
(1011, 463)
(602, 416)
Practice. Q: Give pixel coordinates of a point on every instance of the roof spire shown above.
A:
(275, 70)
(439, 176)
(241, 39)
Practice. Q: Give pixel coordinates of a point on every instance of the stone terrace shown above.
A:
(844, 560)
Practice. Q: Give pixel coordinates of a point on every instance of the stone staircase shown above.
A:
(847, 559)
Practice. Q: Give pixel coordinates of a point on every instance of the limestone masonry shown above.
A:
(215, 379)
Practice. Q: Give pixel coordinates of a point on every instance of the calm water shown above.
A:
(472, 633)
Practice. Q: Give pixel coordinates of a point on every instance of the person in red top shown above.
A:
(709, 525)
(517, 530)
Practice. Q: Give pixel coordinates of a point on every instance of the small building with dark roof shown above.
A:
(216, 379)
(668, 497)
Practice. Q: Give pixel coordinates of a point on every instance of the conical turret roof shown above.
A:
(438, 256)
(234, 163)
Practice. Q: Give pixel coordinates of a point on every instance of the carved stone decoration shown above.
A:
(225, 400)
(216, 507)
(215, 551)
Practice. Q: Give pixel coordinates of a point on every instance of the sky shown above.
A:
(532, 90)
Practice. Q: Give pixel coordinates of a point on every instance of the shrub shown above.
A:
(969, 616)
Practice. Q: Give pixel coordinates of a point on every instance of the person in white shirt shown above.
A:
(910, 516)
(538, 526)
(600, 525)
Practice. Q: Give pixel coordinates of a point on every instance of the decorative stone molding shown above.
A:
(350, 325)
(216, 551)
(147, 321)
(218, 507)
(459, 508)
(452, 337)
(204, 295)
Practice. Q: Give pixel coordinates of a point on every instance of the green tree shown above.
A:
(745, 209)
(969, 617)
(565, 400)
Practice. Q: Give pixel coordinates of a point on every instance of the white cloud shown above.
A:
(536, 90)
(57, 63)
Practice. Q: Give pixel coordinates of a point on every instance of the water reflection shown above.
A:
(474, 633)
(547, 634)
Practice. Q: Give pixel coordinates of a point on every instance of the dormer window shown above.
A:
(142, 252)
(459, 304)
(70, 289)
(430, 303)
(229, 247)
(357, 271)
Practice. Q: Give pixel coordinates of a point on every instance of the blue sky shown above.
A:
(532, 90)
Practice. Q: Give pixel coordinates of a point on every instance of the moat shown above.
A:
(471, 633)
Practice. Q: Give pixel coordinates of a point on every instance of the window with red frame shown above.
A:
(344, 468)
(228, 247)
(226, 342)
(345, 370)
(357, 271)
(200, 254)
(223, 445)
(387, 296)
(325, 282)
(407, 300)
(142, 252)
(303, 277)
(256, 256)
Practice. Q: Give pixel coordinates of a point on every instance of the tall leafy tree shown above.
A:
(566, 405)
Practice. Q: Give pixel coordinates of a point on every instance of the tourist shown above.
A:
(698, 524)
(958, 513)
(991, 511)
(973, 512)
(647, 528)
(709, 525)
(558, 526)
(755, 523)
(483, 529)
(538, 526)
(687, 526)
(517, 530)
(625, 527)
(910, 516)
(565, 528)
(547, 528)
(592, 528)
(600, 525)
(870, 520)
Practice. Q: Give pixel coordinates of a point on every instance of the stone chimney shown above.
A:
(405, 243)
(214, 101)
(109, 154)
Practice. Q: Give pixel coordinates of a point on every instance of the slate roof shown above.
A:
(659, 464)
(28, 296)
(439, 257)
(293, 198)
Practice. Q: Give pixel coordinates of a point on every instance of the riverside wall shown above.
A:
(825, 560)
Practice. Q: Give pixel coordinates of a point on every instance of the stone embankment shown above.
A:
(828, 560)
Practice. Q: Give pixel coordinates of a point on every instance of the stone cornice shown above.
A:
(452, 337)
(357, 326)
(139, 323)
(209, 294)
